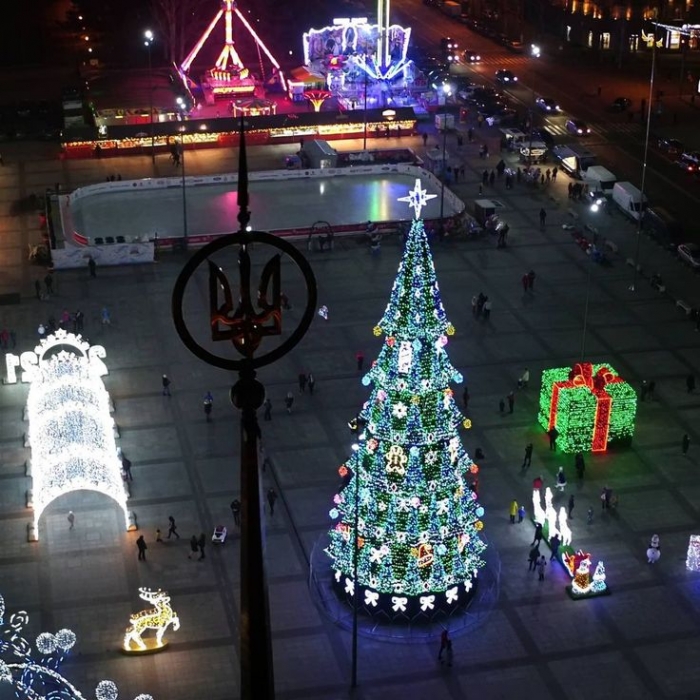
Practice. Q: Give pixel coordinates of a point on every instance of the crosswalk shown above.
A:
(598, 131)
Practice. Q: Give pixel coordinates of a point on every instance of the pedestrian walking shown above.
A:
(166, 385)
(126, 466)
(48, 283)
(208, 403)
(538, 535)
(501, 406)
(643, 390)
(92, 267)
(360, 358)
(511, 402)
(159, 536)
(521, 514)
(492, 178)
(302, 382)
(537, 483)
(480, 303)
(525, 282)
(194, 547)
(533, 557)
(685, 444)
(474, 305)
(541, 565)
(561, 480)
(487, 309)
(271, 499)
(267, 406)
(571, 506)
(202, 542)
(554, 544)
(690, 383)
(465, 398)
(71, 519)
(543, 218)
(448, 652)
(605, 498)
(236, 510)
(531, 280)
(106, 319)
(444, 639)
(289, 401)
(172, 528)
(79, 321)
(37, 289)
(513, 511)
(590, 515)
(527, 460)
(524, 379)
(142, 547)
(312, 383)
(425, 139)
(553, 434)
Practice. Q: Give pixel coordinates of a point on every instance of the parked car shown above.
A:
(502, 115)
(547, 104)
(620, 104)
(515, 46)
(470, 56)
(506, 77)
(670, 146)
(542, 135)
(577, 127)
(690, 253)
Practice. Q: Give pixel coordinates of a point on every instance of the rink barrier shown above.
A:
(66, 202)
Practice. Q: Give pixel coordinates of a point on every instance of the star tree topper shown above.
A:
(417, 198)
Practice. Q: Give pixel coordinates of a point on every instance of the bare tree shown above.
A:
(179, 25)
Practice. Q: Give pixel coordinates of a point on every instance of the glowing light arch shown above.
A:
(71, 431)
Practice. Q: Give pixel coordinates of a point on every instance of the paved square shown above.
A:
(641, 642)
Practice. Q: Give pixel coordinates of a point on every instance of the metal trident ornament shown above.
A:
(243, 325)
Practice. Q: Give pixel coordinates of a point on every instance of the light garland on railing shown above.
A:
(71, 431)
(35, 676)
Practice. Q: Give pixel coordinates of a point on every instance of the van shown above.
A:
(661, 225)
(574, 159)
(533, 151)
(629, 199)
(600, 179)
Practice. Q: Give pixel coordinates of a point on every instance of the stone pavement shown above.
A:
(640, 642)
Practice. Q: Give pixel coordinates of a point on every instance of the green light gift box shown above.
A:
(591, 406)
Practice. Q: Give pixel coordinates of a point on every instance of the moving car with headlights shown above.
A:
(690, 253)
(470, 56)
(547, 104)
(577, 127)
(506, 77)
(670, 146)
(499, 114)
(689, 161)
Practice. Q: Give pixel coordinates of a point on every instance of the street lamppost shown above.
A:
(447, 91)
(644, 164)
(148, 40)
(183, 129)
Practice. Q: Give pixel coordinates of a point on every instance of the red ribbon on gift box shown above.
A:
(582, 376)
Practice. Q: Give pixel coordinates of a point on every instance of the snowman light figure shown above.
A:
(654, 550)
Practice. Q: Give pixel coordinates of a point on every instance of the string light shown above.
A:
(589, 405)
(37, 677)
(418, 520)
(71, 431)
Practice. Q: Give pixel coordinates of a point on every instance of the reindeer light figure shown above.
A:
(158, 618)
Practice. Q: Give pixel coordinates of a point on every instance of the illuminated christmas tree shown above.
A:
(406, 490)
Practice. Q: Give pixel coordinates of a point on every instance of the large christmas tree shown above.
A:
(406, 494)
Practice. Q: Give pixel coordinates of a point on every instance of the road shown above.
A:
(618, 142)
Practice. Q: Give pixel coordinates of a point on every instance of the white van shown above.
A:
(600, 179)
(629, 199)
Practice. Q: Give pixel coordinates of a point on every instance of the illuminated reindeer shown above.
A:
(158, 618)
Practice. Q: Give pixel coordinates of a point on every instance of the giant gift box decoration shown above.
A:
(590, 405)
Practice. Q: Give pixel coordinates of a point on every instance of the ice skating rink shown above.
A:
(275, 205)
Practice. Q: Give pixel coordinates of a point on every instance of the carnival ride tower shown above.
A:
(229, 75)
